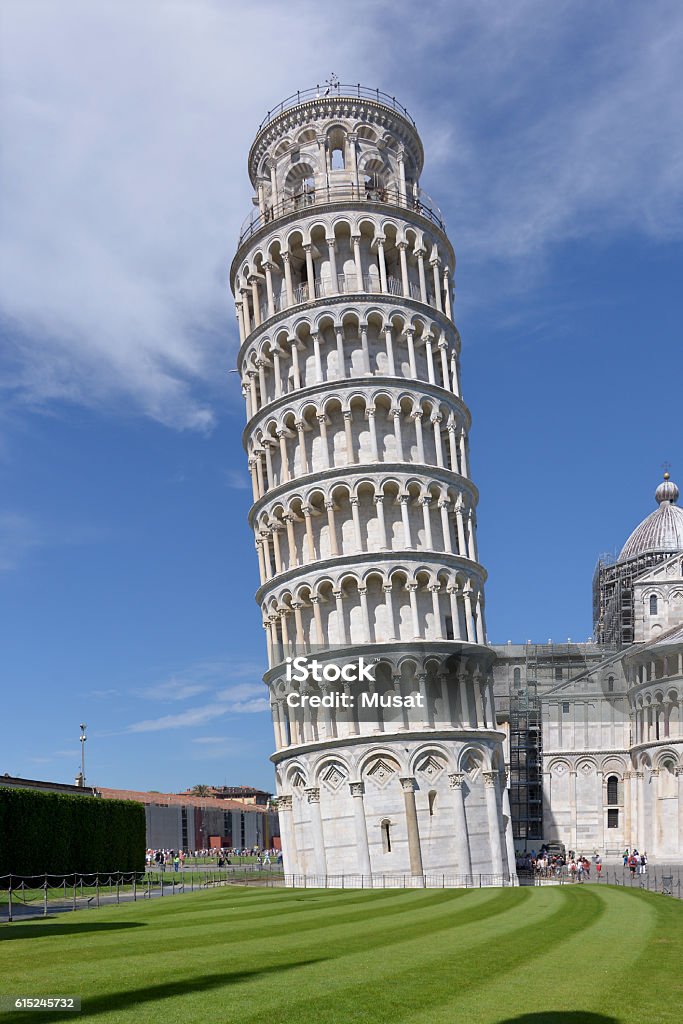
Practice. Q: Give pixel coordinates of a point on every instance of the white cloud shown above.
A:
(126, 128)
(192, 716)
(126, 131)
(237, 699)
(175, 689)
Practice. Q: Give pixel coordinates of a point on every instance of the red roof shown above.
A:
(178, 798)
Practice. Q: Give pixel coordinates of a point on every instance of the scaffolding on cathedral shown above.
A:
(545, 666)
(613, 612)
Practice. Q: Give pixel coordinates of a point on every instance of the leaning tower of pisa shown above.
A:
(364, 511)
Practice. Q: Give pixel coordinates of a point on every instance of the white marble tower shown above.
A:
(364, 510)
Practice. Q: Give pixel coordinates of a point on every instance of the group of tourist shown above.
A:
(557, 865)
(635, 862)
(176, 859)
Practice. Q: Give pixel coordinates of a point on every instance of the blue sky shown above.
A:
(553, 146)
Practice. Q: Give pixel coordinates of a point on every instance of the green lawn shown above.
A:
(550, 955)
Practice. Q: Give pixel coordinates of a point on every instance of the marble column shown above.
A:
(319, 859)
(509, 838)
(490, 790)
(357, 791)
(290, 855)
(462, 844)
(414, 849)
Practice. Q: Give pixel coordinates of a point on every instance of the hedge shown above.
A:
(56, 833)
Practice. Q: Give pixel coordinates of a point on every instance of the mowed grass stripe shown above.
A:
(207, 909)
(480, 957)
(236, 952)
(213, 922)
(624, 967)
(392, 981)
(214, 971)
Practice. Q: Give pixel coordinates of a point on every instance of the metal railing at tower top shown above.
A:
(299, 202)
(337, 89)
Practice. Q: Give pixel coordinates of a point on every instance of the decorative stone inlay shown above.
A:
(334, 776)
(430, 766)
(380, 771)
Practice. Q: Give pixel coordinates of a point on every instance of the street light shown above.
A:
(83, 741)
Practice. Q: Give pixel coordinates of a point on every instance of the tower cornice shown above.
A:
(394, 210)
(354, 385)
(373, 559)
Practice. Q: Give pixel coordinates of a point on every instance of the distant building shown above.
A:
(238, 794)
(181, 821)
(13, 782)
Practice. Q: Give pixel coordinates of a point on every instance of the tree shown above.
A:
(201, 790)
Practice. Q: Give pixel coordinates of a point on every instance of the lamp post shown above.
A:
(83, 741)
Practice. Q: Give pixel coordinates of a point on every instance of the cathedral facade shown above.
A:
(595, 737)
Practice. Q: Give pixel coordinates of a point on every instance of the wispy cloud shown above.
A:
(175, 689)
(123, 193)
(202, 714)
(19, 535)
(192, 716)
(240, 697)
(237, 480)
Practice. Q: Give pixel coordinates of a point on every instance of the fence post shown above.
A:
(74, 899)
(97, 889)
(117, 888)
(162, 883)
(135, 890)
(44, 896)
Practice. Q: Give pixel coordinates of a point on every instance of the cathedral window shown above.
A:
(610, 684)
(558, 673)
(517, 676)
(386, 836)
(613, 790)
(565, 707)
(653, 604)
(612, 817)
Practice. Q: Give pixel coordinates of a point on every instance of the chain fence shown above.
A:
(665, 880)
(24, 897)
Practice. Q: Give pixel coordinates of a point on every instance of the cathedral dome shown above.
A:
(663, 528)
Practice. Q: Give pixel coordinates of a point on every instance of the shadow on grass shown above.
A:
(37, 929)
(172, 989)
(560, 1017)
